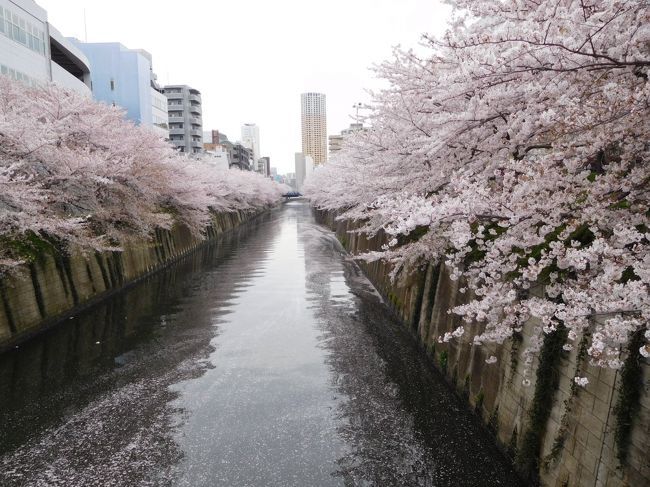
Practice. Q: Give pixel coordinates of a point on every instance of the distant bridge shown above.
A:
(292, 194)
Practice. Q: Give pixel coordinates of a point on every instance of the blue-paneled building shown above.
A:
(124, 77)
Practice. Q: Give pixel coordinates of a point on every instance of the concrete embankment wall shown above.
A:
(558, 434)
(55, 285)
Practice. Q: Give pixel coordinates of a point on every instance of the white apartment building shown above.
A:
(33, 51)
(314, 127)
(250, 138)
(304, 165)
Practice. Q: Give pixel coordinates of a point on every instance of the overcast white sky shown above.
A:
(252, 59)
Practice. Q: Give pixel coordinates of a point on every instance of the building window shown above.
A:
(17, 75)
(21, 31)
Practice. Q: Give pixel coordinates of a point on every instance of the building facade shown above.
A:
(250, 137)
(241, 157)
(264, 166)
(304, 165)
(185, 118)
(124, 77)
(336, 141)
(33, 51)
(314, 127)
(218, 158)
(211, 139)
(218, 148)
(354, 127)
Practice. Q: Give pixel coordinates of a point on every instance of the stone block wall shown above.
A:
(575, 443)
(55, 284)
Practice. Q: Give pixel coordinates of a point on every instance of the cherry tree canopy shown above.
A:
(74, 171)
(517, 151)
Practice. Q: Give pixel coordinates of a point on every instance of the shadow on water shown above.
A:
(88, 402)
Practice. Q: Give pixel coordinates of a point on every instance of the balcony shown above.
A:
(196, 133)
(176, 131)
(196, 121)
(196, 144)
(196, 109)
(174, 96)
(195, 98)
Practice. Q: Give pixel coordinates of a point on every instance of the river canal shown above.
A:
(265, 359)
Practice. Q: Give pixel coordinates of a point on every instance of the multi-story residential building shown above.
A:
(264, 166)
(33, 51)
(336, 141)
(124, 77)
(314, 127)
(250, 137)
(185, 120)
(241, 157)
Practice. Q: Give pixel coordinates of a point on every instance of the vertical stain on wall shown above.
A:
(7, 308)
(102, 269)
(38, 293)
(65, 261)
(60, 269)
(89, 274)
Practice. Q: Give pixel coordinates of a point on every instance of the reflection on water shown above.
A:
(265, 359)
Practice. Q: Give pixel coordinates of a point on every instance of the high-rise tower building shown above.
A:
(314, 127)
(250, 138)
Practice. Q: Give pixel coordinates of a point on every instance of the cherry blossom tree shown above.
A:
(518, 148)
(75, 172)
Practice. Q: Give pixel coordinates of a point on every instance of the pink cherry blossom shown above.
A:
(519, 144)
(76, 172)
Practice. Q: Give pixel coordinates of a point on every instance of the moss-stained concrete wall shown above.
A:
(557, 433)
(56, 284)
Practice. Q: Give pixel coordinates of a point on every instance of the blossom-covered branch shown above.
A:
(521, 143)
